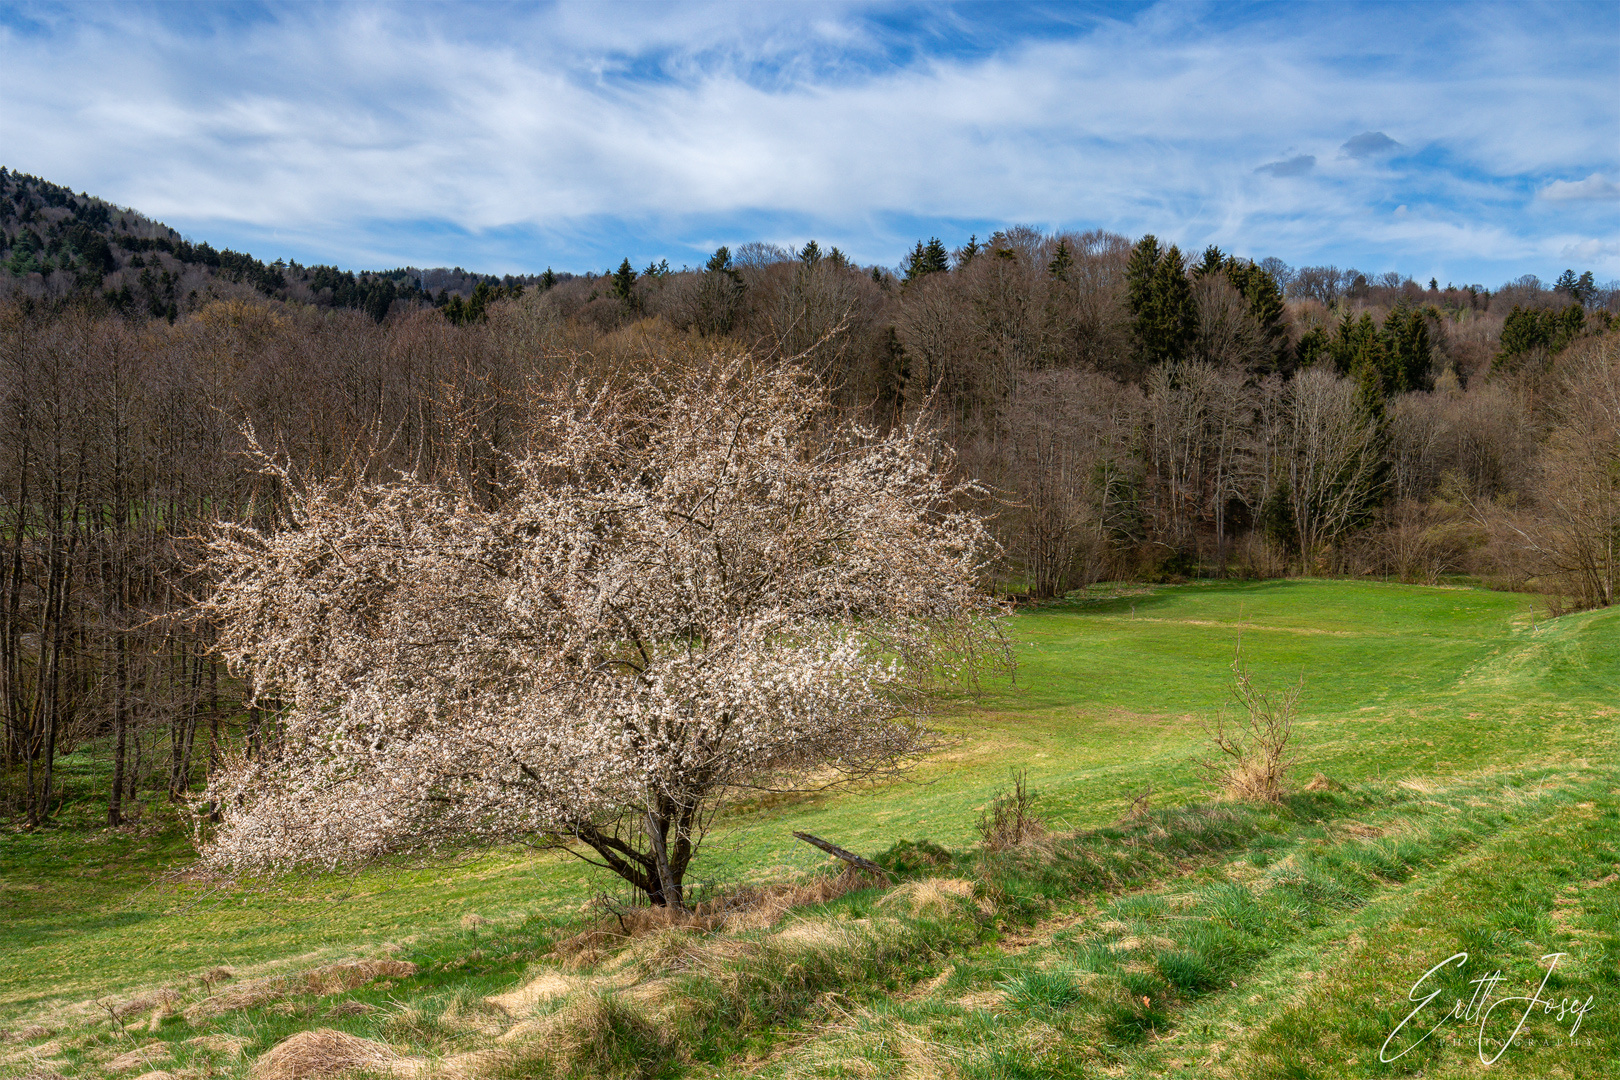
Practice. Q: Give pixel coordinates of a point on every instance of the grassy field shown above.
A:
(1466, 798)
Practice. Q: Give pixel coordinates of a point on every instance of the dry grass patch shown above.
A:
(522, 1001)
(324, 1053)
(142, 1057)
(162, 999)
(594, 1033)
(321, 981)
(933, 897)
(220, 1043)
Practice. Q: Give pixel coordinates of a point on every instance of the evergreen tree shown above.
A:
(1061, 261)
(1265, 301)
(1408, 350)
(548, 279)
(1171, 324)
(1585, 290)
(1566, 283)
(1358, 351)
(925, 259)
(967, 251)
(623, 287)
(1313, 346)
(1214, 261)
(1139, 275)
(811, 253)
(720, 262)
(914, 264)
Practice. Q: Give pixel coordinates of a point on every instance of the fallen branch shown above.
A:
(848, 856)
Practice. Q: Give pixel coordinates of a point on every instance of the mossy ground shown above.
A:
(1474, 805)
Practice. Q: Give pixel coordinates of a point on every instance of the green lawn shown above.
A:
(1459, 722)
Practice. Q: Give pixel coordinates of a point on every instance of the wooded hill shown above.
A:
(55, 244)
(1133, 414)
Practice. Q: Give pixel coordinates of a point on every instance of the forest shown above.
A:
(1132, 412)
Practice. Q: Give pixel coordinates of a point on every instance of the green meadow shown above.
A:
(1456, 790)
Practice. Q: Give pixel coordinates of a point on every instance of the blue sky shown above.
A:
(1470, 142)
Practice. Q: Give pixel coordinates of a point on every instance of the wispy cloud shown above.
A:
(1368, 144)
(1294, 166)
(1594, 188)
(513, 138)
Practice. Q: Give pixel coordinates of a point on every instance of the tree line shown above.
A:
(1130, 412)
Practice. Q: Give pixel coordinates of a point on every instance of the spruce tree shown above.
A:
(1171, 325)
(967, 251)
(1214, 261)
(719, 262)
(623, 287)
(1139, 275)
(925, 259)
(1061, 261)
(1408, 350)
(1585, 290)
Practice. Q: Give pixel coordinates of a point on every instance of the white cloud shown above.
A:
(1591, 250)
(330, 123)
(1594, 188)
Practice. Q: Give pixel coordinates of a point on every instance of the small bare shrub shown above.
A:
(1010, 819)
(1255, 754)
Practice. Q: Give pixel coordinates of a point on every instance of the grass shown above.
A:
(1474, 805)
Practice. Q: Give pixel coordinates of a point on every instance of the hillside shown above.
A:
(54, 244)
(1455, 792)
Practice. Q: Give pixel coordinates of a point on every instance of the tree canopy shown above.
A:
(687, 588)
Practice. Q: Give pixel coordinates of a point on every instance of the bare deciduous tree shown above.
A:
(1332, 459)
(1576, 540)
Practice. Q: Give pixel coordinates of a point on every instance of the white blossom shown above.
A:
(694, 583)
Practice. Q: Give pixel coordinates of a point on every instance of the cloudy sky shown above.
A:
(1472, 142)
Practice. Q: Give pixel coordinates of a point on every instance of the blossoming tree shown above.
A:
(695, 583)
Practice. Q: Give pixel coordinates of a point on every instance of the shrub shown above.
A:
(1254, 749)
(1010, 818)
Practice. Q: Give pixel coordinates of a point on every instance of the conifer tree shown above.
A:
(1164, 313)
(925, 259)
(624, 280)
(1061, 261)
(1139, 274)
(1585, 290)
(967, 251)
